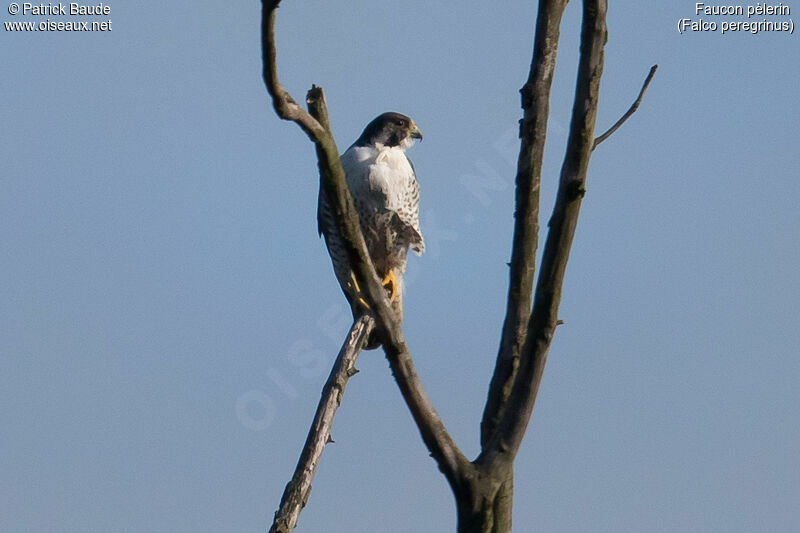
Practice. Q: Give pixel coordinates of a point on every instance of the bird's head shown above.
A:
(390, 129)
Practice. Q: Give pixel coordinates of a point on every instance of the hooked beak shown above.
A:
(415, 133)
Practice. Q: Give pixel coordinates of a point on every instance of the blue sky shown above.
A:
(169, 314)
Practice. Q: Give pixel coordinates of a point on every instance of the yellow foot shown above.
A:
(392, 283)
(359, 299)
(389, 282)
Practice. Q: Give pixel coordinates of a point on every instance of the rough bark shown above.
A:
(485, 504)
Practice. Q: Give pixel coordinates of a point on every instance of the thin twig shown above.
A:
(630, 111)
(298, 489)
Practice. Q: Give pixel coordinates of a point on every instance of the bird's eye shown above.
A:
(401, 122)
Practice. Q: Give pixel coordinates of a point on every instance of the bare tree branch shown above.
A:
(439, 442)
(630, 111)
(533, 131)
(511, 428)
(298, 489)
(282, 101)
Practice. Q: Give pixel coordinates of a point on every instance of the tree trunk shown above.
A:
(486, 507)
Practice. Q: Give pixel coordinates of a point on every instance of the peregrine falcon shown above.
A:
(385, 193)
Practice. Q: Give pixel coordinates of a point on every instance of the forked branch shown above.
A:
(507, 437)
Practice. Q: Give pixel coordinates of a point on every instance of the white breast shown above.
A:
(391, 173)
(386, 170)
